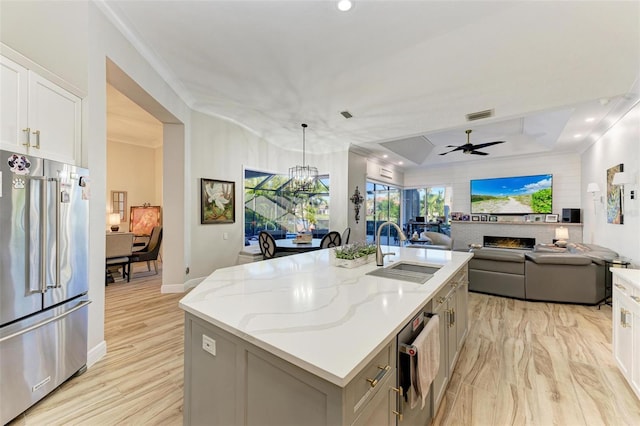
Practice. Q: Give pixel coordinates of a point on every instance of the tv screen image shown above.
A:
(512, 195)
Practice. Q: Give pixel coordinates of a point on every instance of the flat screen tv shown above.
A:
(512, 195)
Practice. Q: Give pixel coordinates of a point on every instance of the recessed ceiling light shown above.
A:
(384, 155)
(577, 135)
(400, 162)
(345, 5)
(589, 120)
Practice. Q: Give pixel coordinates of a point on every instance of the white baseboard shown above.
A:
(96, 353)
(181, 288)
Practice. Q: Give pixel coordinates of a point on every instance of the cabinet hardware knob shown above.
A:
(28, 132)
(441, 300)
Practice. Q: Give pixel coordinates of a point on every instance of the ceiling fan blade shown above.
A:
(457, 149)
(478, 153)
(484, 145)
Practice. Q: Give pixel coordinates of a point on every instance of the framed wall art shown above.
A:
(614, 199)
(217, 201)
(551, 218)
(144, 218)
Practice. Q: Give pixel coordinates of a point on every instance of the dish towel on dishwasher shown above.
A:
(427, 360)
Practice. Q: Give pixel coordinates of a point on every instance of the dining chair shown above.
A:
(345, 236)
(150, 252)
(267, 245)
(332, 239)
(118, 246)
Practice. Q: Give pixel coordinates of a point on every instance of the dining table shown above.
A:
(290, 245)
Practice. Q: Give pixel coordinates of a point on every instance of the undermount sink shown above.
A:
(405, 271)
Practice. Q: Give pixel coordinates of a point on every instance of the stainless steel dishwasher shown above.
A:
(407, 355)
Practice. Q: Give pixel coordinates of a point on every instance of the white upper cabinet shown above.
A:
(14, 90)
(38, 117)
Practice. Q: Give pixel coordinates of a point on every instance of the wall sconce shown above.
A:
(114, 221)
(562, 235)
(357, 199)
(622, 179)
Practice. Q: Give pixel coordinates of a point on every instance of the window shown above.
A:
(119, 204)
(270, 206)
(431, 205)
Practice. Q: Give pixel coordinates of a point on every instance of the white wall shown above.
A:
(134, 169)
(221, 150)
(44, 30)
(621, 144)
(565, 169)
(357, 177)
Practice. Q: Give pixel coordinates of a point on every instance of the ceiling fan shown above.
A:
(469, 148)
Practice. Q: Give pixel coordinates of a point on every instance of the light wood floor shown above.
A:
(523, 364)
(528, 363)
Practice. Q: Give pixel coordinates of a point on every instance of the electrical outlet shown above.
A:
(225, 235)
(208, 344)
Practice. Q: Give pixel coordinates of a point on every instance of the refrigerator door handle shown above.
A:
(43, 234)
(45, 322)
(57, 284)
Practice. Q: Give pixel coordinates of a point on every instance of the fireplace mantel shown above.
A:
(464, 233)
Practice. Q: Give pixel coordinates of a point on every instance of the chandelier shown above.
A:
(302, 178)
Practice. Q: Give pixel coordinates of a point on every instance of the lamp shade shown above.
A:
(622, 178)
(114, 219)
(562, 233)
(593, 187)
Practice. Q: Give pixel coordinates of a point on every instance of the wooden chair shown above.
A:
(332, 239)
(117, 253)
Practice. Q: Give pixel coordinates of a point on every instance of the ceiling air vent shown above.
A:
(480, 115)
(346, 114)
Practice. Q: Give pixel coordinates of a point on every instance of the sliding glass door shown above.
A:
(382, 205)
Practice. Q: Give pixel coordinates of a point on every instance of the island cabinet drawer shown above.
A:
(442, 295)
(369, 381)
(625, 287)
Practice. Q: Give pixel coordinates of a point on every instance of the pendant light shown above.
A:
(302, 178)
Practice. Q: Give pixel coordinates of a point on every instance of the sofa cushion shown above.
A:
(497, 260)
(499, 255)
(559, 258)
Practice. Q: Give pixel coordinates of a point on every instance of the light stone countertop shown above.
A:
(630, 275)
(328, 320)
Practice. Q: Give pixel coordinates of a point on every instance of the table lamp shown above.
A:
(562, 235)
(114, 221)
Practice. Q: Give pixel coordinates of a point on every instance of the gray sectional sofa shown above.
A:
(575, 275)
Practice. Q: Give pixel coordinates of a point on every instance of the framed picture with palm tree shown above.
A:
(217, 201)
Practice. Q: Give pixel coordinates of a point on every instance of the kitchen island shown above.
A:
(271, 341)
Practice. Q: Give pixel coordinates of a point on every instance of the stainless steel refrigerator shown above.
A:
(44, 224)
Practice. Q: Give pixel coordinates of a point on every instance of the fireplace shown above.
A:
(509, 242)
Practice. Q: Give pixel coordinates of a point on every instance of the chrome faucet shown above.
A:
(379, 255)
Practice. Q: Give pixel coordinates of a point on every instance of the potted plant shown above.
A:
(354, 255)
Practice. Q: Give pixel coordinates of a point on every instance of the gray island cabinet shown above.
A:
(295, 340)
